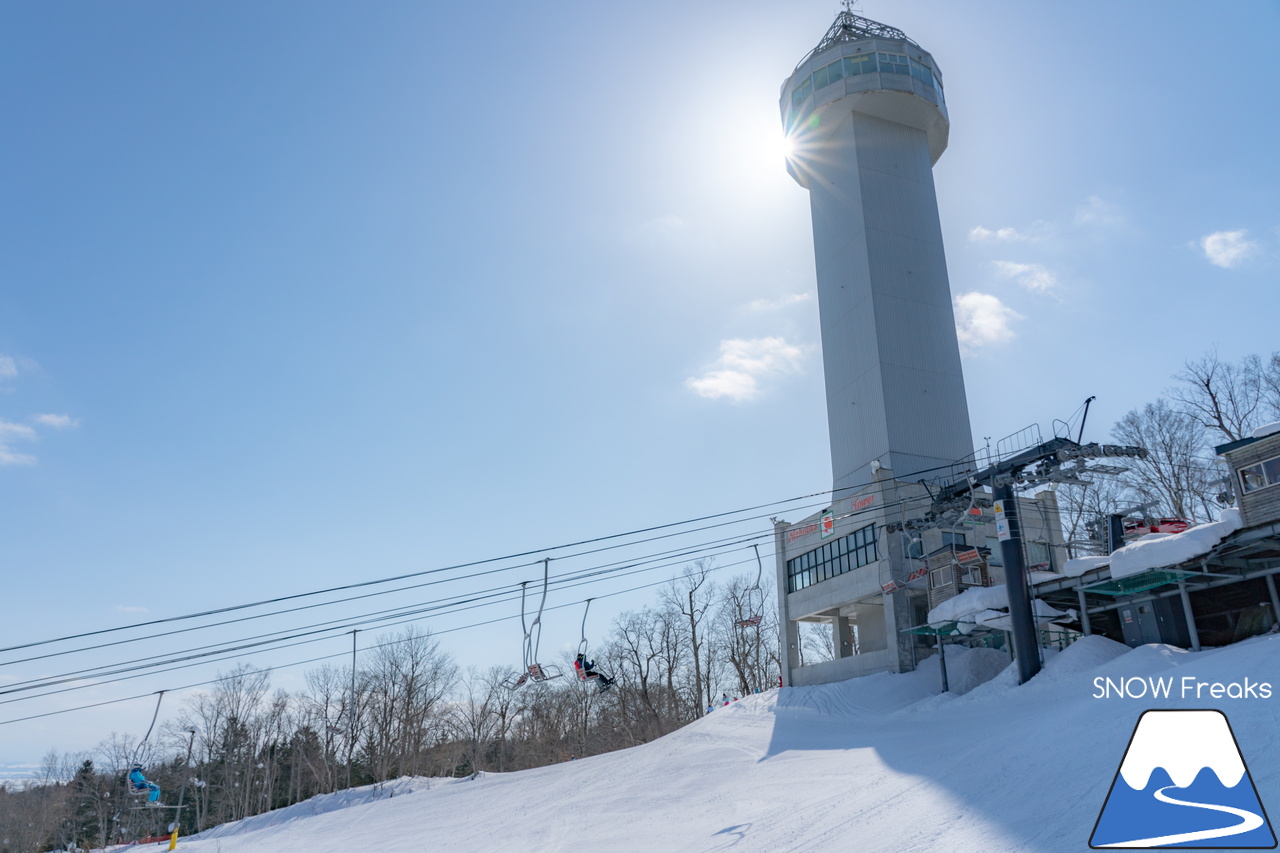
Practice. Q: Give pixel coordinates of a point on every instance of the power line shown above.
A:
(361, 584)
(341, 654)
(334, 627)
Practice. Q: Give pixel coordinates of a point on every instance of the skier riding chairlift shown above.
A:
(138, 784)
(585, 669)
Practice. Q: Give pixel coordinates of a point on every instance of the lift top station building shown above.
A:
(866, 115)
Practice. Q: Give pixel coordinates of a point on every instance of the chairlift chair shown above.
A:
(756, 613)
(579, 663)
(533, 671)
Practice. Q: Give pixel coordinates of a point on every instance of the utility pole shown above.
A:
(351, 710)
(1026, 651)
(177, 820)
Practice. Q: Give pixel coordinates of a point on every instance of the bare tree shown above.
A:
(817, 643)
(751, 645)
(406, 678)
(692, 595)
(1081, 508)
(1226, 399)
(1177, 473)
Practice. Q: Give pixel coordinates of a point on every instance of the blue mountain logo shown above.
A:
(1183, 783)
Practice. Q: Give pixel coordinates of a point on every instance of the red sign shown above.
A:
(796, 532)
(862, 503)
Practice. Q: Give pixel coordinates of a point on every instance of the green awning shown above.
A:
(1139, 583)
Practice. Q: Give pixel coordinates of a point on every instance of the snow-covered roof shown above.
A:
(1162, 550)
(1077, 566)
(1266, 430)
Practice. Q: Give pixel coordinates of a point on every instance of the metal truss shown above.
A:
(850, 27)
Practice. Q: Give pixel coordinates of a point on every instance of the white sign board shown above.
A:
(1002, 523)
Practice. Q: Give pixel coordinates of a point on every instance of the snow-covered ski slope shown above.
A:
(875, 764)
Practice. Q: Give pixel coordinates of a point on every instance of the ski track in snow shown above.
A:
(876, 764)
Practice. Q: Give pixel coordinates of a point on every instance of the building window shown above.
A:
(850, 66)
(996, 557)
(951, 538)
(834, 558)
(1260, 476)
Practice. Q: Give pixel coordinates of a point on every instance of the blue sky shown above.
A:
(303, 294)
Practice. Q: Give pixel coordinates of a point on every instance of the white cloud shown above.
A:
(775, 304)
(56, 421)
(736, 374)
(1033, 277)
(1097, 211)
(1227, 249)
(982, 320)
(978, 234)
(8, 367)
(9, 433)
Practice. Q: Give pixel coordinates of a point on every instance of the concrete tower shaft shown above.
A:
(867, 121)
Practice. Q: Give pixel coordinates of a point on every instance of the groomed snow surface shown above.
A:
(882, 763)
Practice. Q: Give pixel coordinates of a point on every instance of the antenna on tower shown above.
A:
(851, 6)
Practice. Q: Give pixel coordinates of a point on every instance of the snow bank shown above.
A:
(323, 804)
(1162, 550)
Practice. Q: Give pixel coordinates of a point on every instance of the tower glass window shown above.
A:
(834, 558)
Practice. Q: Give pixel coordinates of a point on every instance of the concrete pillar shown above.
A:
(1275, 599)
(1084, 613)
(842, 639)
(789, 633)
(1191, 619)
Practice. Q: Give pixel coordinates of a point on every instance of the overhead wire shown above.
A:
(342, 654)
(408, 575)
(395, 613)
(485, 597)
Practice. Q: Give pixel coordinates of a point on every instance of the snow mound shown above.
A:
(1087, 654)
(323, 804)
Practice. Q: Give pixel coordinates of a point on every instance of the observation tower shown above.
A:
(865, 114)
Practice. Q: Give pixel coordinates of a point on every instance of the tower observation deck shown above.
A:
(867, 119)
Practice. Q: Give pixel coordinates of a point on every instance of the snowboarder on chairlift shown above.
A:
(139, 784)
(587, 669)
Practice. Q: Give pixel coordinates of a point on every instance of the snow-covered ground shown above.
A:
(882, 763)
